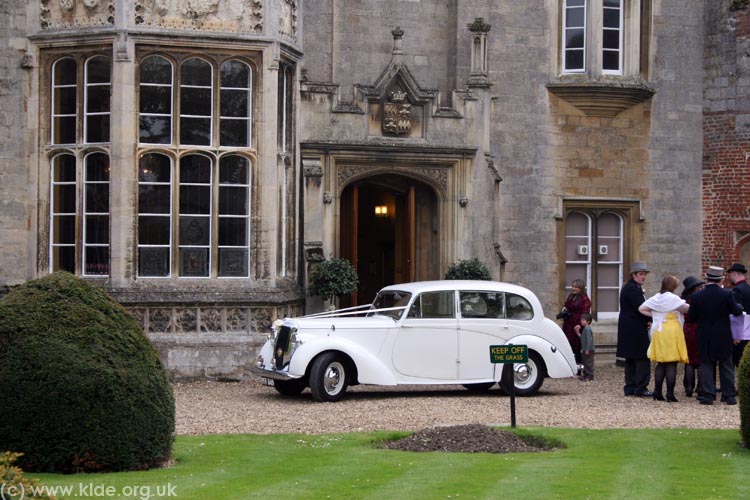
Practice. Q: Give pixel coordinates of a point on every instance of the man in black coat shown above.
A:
(741, 293)
(632, 334)
(711, 308)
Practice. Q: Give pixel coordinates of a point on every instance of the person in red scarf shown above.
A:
(576, 304)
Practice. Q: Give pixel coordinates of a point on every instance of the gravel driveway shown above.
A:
(249, 407)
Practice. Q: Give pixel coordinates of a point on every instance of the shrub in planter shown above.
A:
(471, 269)
(83, 388)
(332, 278)
(743, 391)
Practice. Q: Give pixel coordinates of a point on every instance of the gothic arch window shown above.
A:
(154, 215)
(204, 117)
(598, 243)
(236, 104)
(96, 100)
(204, 207)
(196, 97)
(79, 101)
(194, 214)
(79, 214)
(64, 101)
(155, 100)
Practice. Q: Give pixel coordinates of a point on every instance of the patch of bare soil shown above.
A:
(471, 438)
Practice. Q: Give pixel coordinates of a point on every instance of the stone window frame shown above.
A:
(215, 58)
(633, 36)
(215, 246)
(629, 210)
(175, 151)
(79, 238)
(80, 151)
(83, 88)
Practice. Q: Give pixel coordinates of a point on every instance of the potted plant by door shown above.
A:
(471, 269)
(331, 279)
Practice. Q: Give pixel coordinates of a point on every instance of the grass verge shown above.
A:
(626, 464)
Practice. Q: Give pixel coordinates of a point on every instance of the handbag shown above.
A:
(740, 326)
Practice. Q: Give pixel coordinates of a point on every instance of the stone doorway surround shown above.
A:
(329, 168)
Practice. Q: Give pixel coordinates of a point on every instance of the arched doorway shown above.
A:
(389, 231)
(594, 248)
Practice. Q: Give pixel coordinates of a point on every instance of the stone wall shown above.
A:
(16, 190)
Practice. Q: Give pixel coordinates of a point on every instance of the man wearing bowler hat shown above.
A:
(741, 291)
(632, 333)
(711, 308)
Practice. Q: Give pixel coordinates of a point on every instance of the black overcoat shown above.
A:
(741, 293)
(632, 326)
(711, 308)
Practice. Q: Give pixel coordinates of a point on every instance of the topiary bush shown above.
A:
(743, 391)
(83, 389)
(332, 278)
(471, 269)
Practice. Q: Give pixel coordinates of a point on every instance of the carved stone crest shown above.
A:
(397, 114)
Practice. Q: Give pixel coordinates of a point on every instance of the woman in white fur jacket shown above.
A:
(667, 346)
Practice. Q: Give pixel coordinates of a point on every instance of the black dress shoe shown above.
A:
(645, 394)
(688, 394)
(705, 401)
(731, 401)
(658, 397)
(671, 398)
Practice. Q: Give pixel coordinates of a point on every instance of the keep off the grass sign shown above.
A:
(509, 354)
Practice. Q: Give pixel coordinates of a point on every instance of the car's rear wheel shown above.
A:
(328, 377)
(480, 387)
(528, 377)
(290, 387)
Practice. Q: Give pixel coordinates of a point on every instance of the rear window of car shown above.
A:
(518, 307)
(482, 305)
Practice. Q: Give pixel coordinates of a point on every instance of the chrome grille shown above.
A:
(281, 349)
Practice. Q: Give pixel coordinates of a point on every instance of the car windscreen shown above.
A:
(391, 298)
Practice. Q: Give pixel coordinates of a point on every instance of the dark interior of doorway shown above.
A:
(376, 238)
(389, 231)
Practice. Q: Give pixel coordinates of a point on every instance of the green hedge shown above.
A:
(83, 388)
(743, 390)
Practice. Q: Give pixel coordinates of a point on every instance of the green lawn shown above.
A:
(627, 464)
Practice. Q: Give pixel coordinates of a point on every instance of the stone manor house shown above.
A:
(196, 158)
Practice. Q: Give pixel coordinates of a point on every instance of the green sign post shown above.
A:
(508, 355)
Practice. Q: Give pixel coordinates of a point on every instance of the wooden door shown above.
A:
(348, 240)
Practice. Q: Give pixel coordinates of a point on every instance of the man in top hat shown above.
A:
(632, 333)
(711, 308)
(741, 291)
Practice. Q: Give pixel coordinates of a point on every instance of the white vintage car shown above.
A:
(431, 332)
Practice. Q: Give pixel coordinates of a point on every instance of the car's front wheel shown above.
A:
(328, 377)
(528, 377)
(290, 387)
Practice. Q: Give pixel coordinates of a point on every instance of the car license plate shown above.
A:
(267, 381)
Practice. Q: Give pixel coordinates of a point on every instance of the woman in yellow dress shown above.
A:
(667, 337)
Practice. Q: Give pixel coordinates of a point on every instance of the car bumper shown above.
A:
(271, 374)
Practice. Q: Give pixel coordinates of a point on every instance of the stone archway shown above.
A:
(390, 231)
